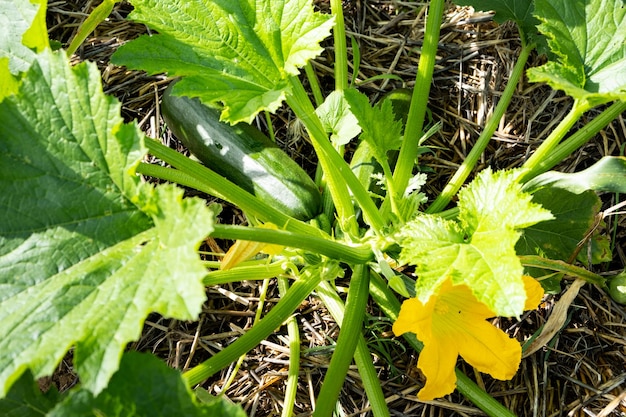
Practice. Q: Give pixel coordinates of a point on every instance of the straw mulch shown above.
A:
(580, 372)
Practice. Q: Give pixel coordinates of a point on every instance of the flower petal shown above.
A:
(534, 292)
(437, 362)
(490, 350)
(415, 317)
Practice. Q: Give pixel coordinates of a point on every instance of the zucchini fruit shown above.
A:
(243, 155)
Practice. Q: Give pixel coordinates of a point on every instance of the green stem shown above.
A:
(472, 158)
(299, 102)
(273, 320)
(362, 355)
(195, 175)
(562, 267)
(551, 142)
(575, 141)
(337, 171)
(322, 246)
(314, 84)
(243, 273)
(293, 333)
(419, 100)
(351, 327)
(339, 43)
(390, 306)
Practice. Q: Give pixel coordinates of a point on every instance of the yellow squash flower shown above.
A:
(452, 323)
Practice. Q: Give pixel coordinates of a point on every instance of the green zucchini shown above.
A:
(243, 155)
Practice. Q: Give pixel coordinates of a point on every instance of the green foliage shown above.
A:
(238, 52)
(479, 249)
(22, 33)
(608, 174)
(380, 127)
(144, 386)
(589, 40)
(559, 238)
(338, 119)
(87, 251)
(25, 399)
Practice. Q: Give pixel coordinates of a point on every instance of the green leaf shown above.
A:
(87, 250)
(36, 37)
(241, 53)
(494, 201)
(10, 83)
(25, 399)
(479, 249)
(144, 386)
(380, 127)
(608, 174)
(589, 39)
(22, 32)
(337, 119)
(519, 11)
(574, 216)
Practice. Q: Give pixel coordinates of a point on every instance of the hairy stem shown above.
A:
(419, 100)
(351, 327)
(319, 245)
(362, 355)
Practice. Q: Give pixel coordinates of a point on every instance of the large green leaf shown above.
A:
(143, 386)
(608, 174)
(589, 39)
(479, 249)
(574, 216)
(239, 52)
(87, 251)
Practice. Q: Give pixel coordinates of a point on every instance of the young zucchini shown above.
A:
(242, 154)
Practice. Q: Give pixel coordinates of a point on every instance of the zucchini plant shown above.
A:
(88, 249)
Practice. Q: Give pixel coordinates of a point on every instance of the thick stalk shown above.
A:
(419, 100)
(293, 333)
(339, 43)
(351, 327)
(362, 355)
(387, 301)
(472, 158)
(575, 141)
(552, 141)
(243, 273)
(337, 171)
(322, 246)
(195, 175)
(274, 319)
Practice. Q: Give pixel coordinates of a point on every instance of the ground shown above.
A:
(581, 371)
